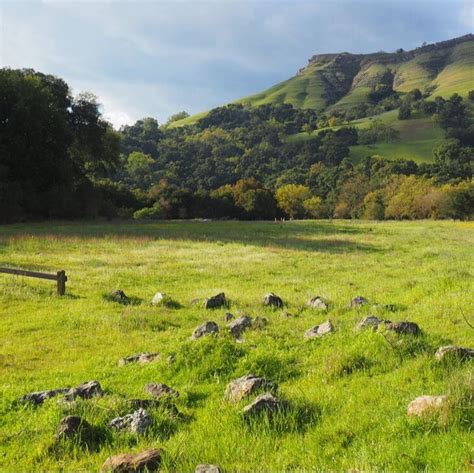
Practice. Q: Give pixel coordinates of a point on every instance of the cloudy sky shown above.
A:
(154, 58)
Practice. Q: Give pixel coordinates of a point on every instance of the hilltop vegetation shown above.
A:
(348, 391)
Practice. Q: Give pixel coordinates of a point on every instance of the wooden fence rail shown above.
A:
(60, 277)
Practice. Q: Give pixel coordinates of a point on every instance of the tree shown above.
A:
(453, 161)
(470, 95)
(404, 112)
(177, 116)
(139, 168)
(290, 199)
(374, 208)
(314, 207)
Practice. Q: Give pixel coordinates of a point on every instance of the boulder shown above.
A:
(403, 328)
(38, 397)
(141, 358)
(266, 402)
(148, 460)
(317, 303)
(207, 468)
(247, 385)
(358, 301)
(371, 321)
(228, 317)
(72, 425)
(426, 405)
(118, 296)
(206, 328)
(138, 422)
(319, 330)
(260, 322)
(84, 391)
(238, 326)
(273, 300)
(160, 299)
(452, 351)
(159, 390)
(215, 302)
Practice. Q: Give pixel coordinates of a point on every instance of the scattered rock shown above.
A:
(141, 358)
(455, 352)
(371, 321)
(118, 296)
(138, 422)
(358, 301)
(228, 317)
(159, 390)
(317, 303)
(216, 301)
(245, 386)
(39, 397)
(148, 460)
(205, 329)
(264, 403)
(273, 300)
(239, 325)
(160, 299)
(207, 468)
(84, 391)
(319, 330)
(260, 322)
(424, 405)
(404, 328)
(72, 425)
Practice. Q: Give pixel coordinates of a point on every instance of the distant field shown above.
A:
(348, 391)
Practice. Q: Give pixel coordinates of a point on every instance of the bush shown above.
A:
(149, 213)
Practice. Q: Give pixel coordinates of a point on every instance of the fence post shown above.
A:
(61, 275)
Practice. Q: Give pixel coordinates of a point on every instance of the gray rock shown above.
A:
(455, 352)
(148, 460)
(238, 326)
(273, 300)
(319, 330)
(317, 303)
(426, 405)
(207, 468)
(216, 301)
(358, 301)
(159, 390)
(247, 385)
(38, 397)
(228, 317)
(206, 328)
(403, 328)
(160, 299)
(137, 422)
(371, 321)
(84, 391)
(267, 403)
(71, 426)
(260, 322)
(118, 296)
(141, 358)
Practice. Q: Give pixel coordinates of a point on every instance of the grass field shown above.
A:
(348, 391)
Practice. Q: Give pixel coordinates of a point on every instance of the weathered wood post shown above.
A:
(61, 279)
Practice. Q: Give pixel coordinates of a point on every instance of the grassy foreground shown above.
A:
(348, 390)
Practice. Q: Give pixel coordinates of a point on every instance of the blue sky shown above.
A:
(154, 58)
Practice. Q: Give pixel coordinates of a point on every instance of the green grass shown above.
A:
(348, 391)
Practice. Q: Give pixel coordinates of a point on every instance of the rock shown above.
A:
(84, 391)
(358, 301)
(160, 299)
(138, 422)
(454, 352)
(228, 317)
(403, 328)
(216, 301)
(148, 460)
(118, 296)
(245, 386)
(264, 403)
(159, 390)
(273, 300)
(319, 330)
(317, 303)
(424, 405)
(205, 329)
(72, 425)
(260, 322)
(141, 358)
(239, 325)
(371, 321)
(39, 397)
(207, 468)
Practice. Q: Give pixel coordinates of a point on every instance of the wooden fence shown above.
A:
(60, 277)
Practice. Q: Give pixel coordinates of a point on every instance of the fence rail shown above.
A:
(60, 277)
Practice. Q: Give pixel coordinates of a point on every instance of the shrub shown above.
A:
(149, 213)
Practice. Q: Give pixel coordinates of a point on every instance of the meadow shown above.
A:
(348, 391)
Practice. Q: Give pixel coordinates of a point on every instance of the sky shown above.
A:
(155, 58)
